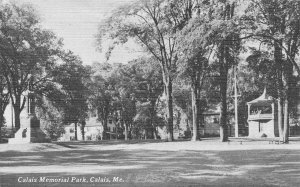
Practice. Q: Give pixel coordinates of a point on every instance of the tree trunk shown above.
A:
(152, 128)
(280, 117)
(1, 120)
(279, 85)
(170, 109)
(145, 131)
(286, 122)
(2, 110)
(75, 124)
(3, 104)
(130, 132)
(289, 84)
(126, 131)
(223, 95)
(17, 113)
(225, 60)
(104, 133)
(195, 104)
(155, 133)
(117, 132)
(18, 107)
(152, 114)
(82, 132)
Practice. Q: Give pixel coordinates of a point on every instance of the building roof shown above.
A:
(264, 98)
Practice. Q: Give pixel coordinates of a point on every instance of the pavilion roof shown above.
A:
(264, 98)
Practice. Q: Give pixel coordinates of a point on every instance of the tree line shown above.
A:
(33, 59)
(205, 39)
(191, 48)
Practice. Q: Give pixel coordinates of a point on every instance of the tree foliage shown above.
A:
(73, 78)
(153, 24)
(27, 52)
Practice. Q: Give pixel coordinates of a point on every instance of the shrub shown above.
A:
(55, 130)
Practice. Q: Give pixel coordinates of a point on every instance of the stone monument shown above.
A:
(29, 131)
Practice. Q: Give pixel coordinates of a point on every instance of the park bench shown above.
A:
(279, 142)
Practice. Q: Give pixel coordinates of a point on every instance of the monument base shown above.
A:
(30, 132)
(28, 135)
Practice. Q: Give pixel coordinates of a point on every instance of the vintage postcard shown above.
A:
(149, 93)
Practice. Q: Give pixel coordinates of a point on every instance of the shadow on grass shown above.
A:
(65, 145)
(224, 168)
(109, 142)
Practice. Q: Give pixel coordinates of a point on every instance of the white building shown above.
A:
(262, 117)
(211, 122)
(93, 130)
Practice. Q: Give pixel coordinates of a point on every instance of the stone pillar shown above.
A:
(30, 131)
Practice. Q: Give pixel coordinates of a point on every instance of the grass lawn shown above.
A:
(151, 163)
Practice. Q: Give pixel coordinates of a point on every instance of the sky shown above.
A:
(76, 21)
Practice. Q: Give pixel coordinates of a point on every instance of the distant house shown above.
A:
(92, 131)
(69, 134)
(211, 122)
(112, 128)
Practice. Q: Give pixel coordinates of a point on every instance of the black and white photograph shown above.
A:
(162, 93)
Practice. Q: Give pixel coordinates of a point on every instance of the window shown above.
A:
(71, 130)
(255, 110)
(216, 120)
(110, 121)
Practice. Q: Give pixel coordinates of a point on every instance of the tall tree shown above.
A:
(101, 101)
(194, 54)
(72, 75)
(196, 69)
(153, 25)
(145, 77)
(126, 104)
(27, 52)
(102, 89)
(227, 50)
(277, 26)
(4, 101)
(214, 36)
